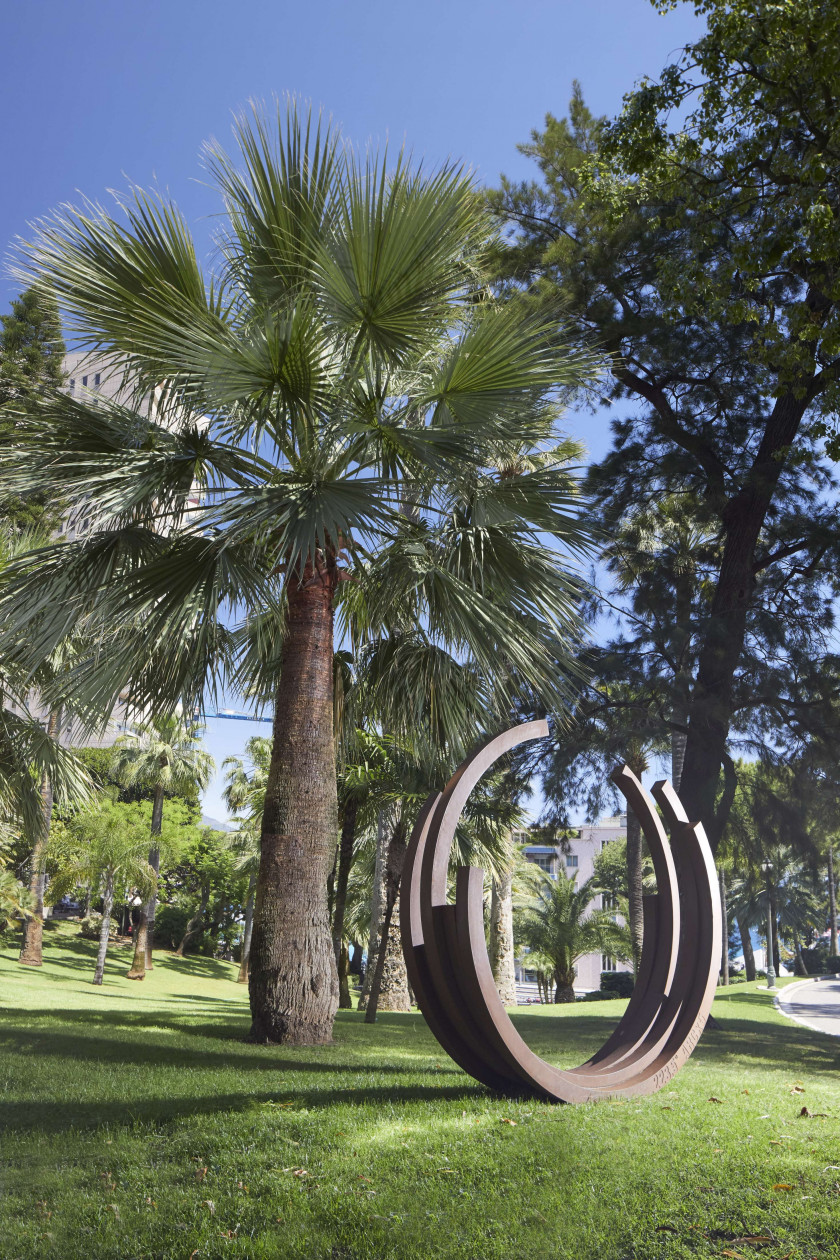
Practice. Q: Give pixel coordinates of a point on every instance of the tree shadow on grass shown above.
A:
(56, 1118)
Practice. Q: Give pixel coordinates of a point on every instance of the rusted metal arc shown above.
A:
(449, 969)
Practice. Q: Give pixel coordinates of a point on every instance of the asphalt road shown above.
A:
(815, 1004)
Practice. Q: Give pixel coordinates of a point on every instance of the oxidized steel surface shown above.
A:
(449, 969)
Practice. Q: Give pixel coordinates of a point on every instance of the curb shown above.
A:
(792, 988)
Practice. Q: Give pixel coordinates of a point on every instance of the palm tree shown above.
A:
(115, 841)
(344, 391)
(245, 791)
(164, 755)
(562, 925)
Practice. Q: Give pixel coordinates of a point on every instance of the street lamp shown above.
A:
(771, 973)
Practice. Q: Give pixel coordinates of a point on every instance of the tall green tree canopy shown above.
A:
(694, 240)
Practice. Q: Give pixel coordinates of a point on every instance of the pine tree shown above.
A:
(31, 355)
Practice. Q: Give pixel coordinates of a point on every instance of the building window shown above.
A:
(84, 380)
(544, 862)
(607, 963)
(72, 384)
(571, 859)
(96, 380)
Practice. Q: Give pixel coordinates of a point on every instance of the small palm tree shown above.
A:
(561, 925)
(115, 841)
(164, 755)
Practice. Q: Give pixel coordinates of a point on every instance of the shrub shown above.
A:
(170, 926)
(91, 925)
(618, 983)
(832, 966)
(816, 959)
(599, 995)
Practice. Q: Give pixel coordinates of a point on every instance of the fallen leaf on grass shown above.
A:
(713, 1098)
(210, 1205)
(506, 1121)
(361, 1178)
(738, 1255)
(666, 1229)
(754, 1240)
(745, 1091)
(814, 1115)
(201, 1174)
(667, 1108)
(112, 1207)
(783, 1185)
(797, 1089)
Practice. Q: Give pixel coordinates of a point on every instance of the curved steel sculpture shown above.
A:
(449, 969)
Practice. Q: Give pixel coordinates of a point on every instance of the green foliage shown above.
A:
(618, 983)
(31, 353)
(561, 925)
(15, 901)
(353, 362)
(170, 925)
(833, 964)
(90, 926)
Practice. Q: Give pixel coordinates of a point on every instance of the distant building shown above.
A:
(576, 855)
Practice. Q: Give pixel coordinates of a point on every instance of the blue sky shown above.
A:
(95, 94)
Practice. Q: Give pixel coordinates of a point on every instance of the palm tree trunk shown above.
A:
(832, 905)
(799, 965)
(377, 904)
(501, 938)
(746, 946)
(105, 927)
(345, 1001)
(154, 862)
(32, 948)
(345, 860)
(196, 921)
(137, 970)
(634, 885)
(773, 947)
(294, 979)
(724, 964)
(246, 936)
(395, 861)
(564, 986)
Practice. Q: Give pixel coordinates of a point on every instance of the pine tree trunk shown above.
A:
(154, 862)
(394, 863)
(377, 903)
(105, 927)
(249, 927)
(634, 885)
(138, 963)
(32, 949)
(724, 964)
(746, 946)
(293, 979)
(832, 905)
(345, 861)
(502, 960)
(196, 922)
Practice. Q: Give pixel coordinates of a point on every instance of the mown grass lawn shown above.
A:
(137, 1123)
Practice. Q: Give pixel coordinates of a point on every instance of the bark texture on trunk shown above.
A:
(634, 885)
(242, 978)
(746, 946)
(32, 948)
(293, 980)
(141, 928)
(377, 903)
(724, 950)
(723, 641)
(502, 960)
(345, 861)
(799, 967)
(564, 992)
(774, 925)
(105, 927)
(832, 905)
(390, 943)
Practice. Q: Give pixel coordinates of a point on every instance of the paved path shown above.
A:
(816, 1004)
